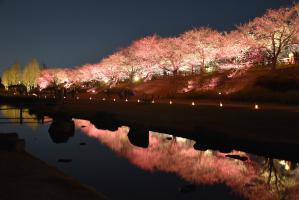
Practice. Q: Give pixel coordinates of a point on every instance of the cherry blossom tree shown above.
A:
(237, 51)
(110, 68)
(90, 72)
(47, 76)
(145, 54)
(171, 54)
(275, 31)
(128, 64)
(202, 46)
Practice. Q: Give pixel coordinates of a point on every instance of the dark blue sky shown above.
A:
(75, 32)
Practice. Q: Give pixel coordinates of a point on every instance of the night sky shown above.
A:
(75, 32)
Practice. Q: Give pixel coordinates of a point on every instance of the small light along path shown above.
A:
(193, 103)
(182, 102)
(179, 102)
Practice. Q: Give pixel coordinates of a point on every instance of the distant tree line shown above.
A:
(28, 77)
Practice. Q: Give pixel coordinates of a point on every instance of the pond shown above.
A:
(155, 166)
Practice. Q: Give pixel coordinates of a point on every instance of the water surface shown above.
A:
(168, 167)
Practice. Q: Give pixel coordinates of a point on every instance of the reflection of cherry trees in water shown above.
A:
(278, 176)
(256, 178)
(272, 173)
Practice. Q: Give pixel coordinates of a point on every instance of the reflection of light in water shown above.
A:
(180, 139)
(13, 115)
(285, 164)
(176, 155)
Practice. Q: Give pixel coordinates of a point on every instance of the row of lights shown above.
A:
(256, 106)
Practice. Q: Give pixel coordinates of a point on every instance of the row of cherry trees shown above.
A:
(263, 40)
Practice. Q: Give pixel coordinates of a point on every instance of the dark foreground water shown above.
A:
(169, 168)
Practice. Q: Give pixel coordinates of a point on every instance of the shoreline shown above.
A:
(24, 176)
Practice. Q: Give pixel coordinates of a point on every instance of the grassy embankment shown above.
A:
(258, 84)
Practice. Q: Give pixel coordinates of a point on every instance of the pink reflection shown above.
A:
(177, 155)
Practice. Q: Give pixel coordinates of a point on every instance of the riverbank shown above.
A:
(26, 177)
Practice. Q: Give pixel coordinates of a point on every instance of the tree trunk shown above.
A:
(274, 63)
(175, 72)
(203, 63)
(202, 69)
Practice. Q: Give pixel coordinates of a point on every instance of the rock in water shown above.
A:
(65, 160)
(237, 157)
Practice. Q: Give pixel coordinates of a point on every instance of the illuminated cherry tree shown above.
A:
(110, 68)
(47, 76)
(238, 51)
(90, 72)
(275, 31)
(202, 46)
(171, 54)
(129, 66)
(145, 54)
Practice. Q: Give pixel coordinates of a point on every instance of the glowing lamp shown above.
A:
(138, 101)
(93, 91)
(77, 98)
(221, 104)
(256, 107)
(90, 98)
(170, 102)
(136, 79)
(126, 100)
(153, 101)
(220, 93)
(104, 99)
(64, 97)
(114, 99)
(193, 103)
